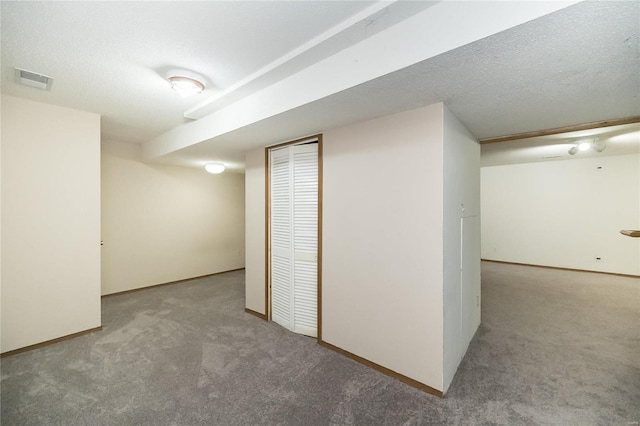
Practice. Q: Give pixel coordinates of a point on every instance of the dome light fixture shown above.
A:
(215, 168)
(186, 83)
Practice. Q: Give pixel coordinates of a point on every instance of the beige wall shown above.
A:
(50, 222)
(564, 213)
(166, 223)
(386, 241)
(461, 242)
(0, 223)
(382, 242)
(255, 226)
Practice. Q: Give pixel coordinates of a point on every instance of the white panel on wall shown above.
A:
(563, 213)
(470, 279)
(461, 242)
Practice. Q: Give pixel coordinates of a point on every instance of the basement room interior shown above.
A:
(320, 213)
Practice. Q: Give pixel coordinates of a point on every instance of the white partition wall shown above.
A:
(50, 222)
(393, 243)
(382, 242)
(461, 242)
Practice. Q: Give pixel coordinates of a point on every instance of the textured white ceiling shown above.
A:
(111, 57)
(577, 65)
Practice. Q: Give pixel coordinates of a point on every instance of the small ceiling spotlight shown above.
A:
(599, 145)
(186, 83)
(215, 168)
(573, 150)
(583, 146)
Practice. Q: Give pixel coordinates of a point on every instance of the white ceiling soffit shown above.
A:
(619, 140)
(372, 20)
(441, 28)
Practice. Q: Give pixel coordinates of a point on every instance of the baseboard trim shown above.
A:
(118, 293)
(561, 269)
(49, 342)
(255, 313)
(404, 379)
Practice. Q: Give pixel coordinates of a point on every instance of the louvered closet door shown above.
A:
(294, 237)
(281, 233)
(305, 239)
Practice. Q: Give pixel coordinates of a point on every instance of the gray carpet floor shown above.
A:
(554, 348)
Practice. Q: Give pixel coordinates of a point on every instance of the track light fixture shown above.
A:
(585, 145)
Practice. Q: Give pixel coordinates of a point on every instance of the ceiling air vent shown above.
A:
(33, 79)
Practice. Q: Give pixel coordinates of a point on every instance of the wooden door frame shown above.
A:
(267, 227)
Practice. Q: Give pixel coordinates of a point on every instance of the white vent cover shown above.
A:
(33, 79)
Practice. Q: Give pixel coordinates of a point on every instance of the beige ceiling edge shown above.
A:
(560, 130)
(446, 25)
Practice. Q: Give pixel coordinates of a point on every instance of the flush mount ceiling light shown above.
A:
(215, 168)
(186, 83)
